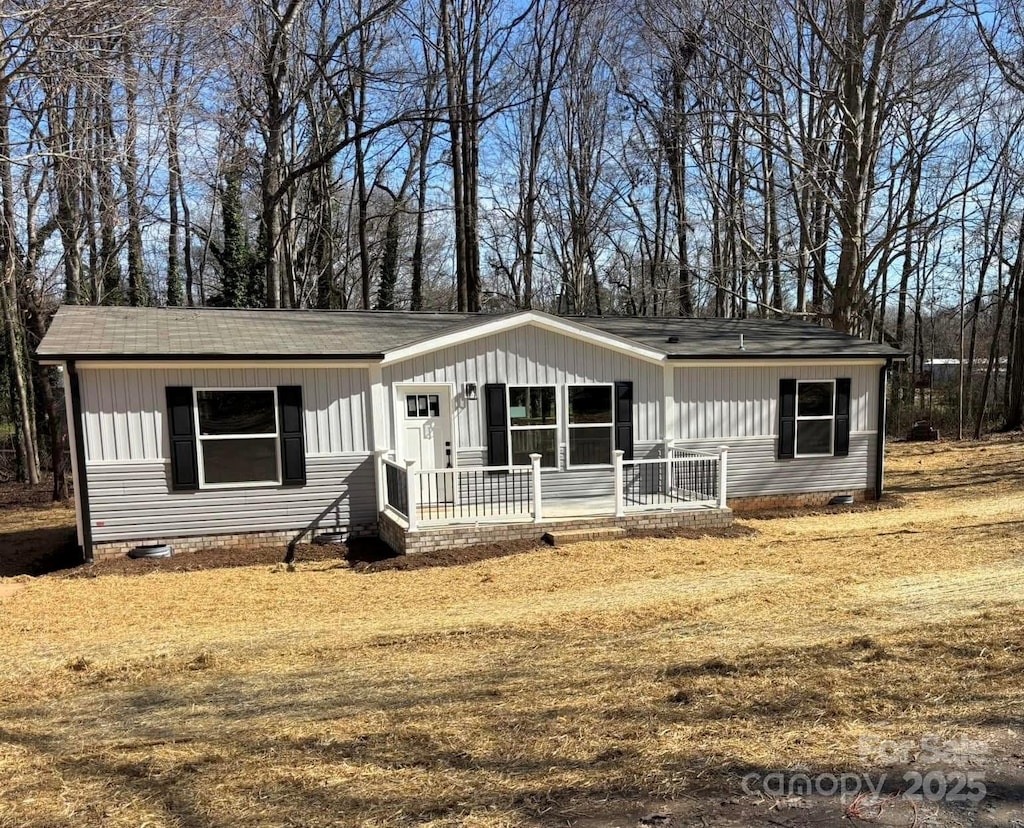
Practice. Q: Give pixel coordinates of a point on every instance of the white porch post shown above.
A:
(669, 483)
(382, 479)
(538, 510)
(723, 462)
(620, 500)
(410, 487)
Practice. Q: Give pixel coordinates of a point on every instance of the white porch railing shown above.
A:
(681, 480)
(469, 494)
(473, 494)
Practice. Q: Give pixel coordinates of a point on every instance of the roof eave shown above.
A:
(778, 356)
(54, 359)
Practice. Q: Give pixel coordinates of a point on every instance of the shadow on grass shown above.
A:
(515, 727)
(38, 551)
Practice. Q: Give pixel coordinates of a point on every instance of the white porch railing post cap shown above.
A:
(723, 449)
(410, 463)
(618, 453)
(535, 457)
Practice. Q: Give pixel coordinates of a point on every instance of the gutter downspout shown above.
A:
(80, 476)
(883, 374)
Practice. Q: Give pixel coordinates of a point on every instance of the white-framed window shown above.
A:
(533, 424)
(591, 424)
(815, 417)
(237, 437)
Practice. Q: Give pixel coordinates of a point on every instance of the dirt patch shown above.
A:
(444, 557)
(737, 530)
(215, 558)
(888, 501)
(364, 555)
(10, 587)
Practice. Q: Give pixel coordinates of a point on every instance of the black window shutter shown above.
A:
(624, 418)
(181, 427)
(293, 443)
(787, 418)
(497, 424)
(842, 430)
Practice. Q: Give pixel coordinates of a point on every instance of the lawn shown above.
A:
(555, 687)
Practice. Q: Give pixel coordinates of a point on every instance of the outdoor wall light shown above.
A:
(470, 390)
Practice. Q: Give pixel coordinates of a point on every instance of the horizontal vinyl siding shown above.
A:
(720, 401)
(566, 484)
(472, 456)
(134, 500)
(754, 470)
(577, 483)
(124, 410)
(531, 356)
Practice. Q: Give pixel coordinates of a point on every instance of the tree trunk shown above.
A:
(14, 335)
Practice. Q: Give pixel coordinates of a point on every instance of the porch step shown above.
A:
(561, 538)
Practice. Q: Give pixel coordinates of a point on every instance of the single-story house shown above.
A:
(198, 426)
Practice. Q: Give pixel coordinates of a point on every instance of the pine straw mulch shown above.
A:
(364, 555)
(529, 689)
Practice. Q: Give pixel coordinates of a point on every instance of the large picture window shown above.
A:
(591, 425)
(237, 433)
(533, 424)
(815, 417)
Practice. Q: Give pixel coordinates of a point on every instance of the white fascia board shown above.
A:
(575, 330)
(192, 364)
(768, 362)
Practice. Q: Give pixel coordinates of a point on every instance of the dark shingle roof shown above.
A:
(720, 338)
(83, 332)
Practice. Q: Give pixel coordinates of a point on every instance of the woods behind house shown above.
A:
(855, 163)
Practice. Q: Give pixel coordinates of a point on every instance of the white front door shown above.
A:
(425, 414)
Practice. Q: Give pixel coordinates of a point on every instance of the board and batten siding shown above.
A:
(125, 409)
(132, 501)
(722, 401)
(530, 356)
(737, 406)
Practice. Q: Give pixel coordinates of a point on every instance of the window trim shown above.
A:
(555, 426)
(561, 426)
(200, 437)
(797, 419)
(610, 425)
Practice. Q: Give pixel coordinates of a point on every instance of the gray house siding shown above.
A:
(124, 410)
(134, 500)
(754, 470)
(530, 356)
(737, 406)
(569, 484)
(124, 414)
(721, 401)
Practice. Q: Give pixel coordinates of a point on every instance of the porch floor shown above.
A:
(555, 509)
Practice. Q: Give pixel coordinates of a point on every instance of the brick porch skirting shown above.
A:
(435, 538)
(195, 543)
(799, 500)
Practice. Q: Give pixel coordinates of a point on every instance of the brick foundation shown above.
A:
(435, 538)
(801, 500)
(114, 549)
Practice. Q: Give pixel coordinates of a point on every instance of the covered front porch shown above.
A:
(422, 509)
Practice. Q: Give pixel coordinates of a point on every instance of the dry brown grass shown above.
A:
(507, 690)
